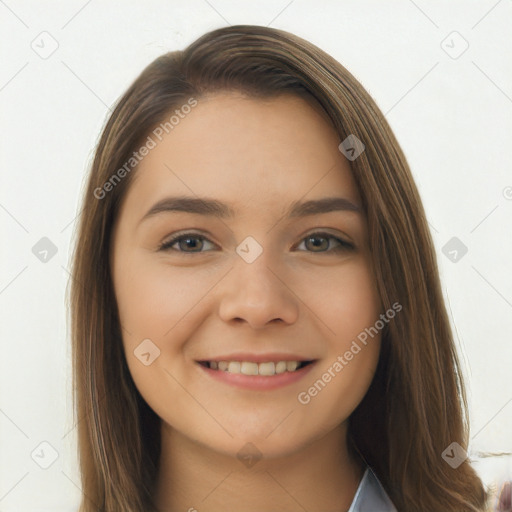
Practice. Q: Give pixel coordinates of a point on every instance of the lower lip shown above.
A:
(258, 382)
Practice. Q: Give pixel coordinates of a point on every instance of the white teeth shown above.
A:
(291, 366)
(234, 367)
(281, 367)
(267, 368)
(249, 368)
(246, 368)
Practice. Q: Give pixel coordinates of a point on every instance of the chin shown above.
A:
(259, 444)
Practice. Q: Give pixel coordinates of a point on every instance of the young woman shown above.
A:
(257, 317)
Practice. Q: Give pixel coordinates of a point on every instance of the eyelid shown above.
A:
(345, 239)
(165, 245)
(319, 232)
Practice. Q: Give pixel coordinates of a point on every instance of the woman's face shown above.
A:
(257, 286)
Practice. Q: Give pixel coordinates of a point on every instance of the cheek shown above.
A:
(156, 303)
(350, 308)
(346, 300)
(338, 388)
(153, 297)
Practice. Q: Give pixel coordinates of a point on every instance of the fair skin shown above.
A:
(299, 296)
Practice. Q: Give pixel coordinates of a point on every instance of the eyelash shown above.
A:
(343, 247)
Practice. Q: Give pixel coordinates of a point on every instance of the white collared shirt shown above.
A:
(371, 496)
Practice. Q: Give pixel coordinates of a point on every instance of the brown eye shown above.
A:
(189, 243)
(317, 242)
(185, 242)
(320, 242)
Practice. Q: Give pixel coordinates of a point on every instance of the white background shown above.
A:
(452, 116)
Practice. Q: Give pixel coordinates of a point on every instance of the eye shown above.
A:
(185, 241)
(190, 241)
(322, 241)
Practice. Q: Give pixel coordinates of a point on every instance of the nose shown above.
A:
(257, 294)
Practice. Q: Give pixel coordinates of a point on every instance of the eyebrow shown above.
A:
(212, 207)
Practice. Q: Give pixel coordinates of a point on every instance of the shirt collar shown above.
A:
(371, 496)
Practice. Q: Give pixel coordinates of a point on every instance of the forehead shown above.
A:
(257, 155)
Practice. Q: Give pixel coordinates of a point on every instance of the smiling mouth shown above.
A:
(267, 369)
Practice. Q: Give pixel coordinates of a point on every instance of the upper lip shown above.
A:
(259, 358)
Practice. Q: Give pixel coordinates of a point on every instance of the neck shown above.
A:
(319, 477)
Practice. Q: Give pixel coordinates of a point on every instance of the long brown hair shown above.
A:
(416, 405)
